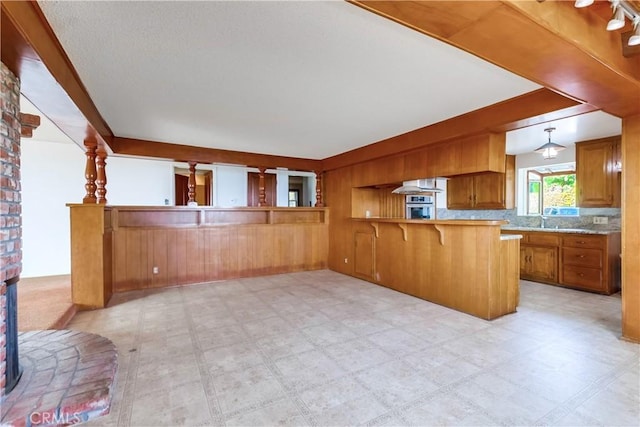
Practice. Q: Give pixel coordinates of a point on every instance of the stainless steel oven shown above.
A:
(420, 207)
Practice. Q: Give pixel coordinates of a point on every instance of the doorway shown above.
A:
(204, 180)
(253, 189)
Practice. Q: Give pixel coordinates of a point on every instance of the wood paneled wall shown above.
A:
(121, 248)
(462, 265)
(158, 257)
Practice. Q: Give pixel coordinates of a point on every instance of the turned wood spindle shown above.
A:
(101, 180)
(262, 194)
(90, 173)
(192, 183)
(319, 202)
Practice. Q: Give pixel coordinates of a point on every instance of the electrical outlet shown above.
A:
(346, 260)
(156, 270)
(600, 220)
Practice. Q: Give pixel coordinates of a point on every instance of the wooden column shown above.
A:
(90, 172)
(262, 195)
(319, 202)
(101, 180)
(192, 183)
(630, 228)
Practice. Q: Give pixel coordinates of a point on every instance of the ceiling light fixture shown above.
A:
(634, 40)
(621, 9)
(550, 149)
(617, 21)
(583, 3)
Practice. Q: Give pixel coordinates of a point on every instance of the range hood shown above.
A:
(418, 186)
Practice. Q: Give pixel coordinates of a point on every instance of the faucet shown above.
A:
(542, 220)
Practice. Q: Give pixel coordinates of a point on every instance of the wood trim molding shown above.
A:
(185, 153)
(48, 79)
(513, 113)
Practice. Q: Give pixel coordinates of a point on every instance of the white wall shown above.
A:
(230, 184)
(139, 182)
(52, 176)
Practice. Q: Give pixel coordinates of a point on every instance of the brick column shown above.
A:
(10, 209)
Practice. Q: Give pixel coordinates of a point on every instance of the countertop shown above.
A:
(510, 236)
(476, 222)
(559, 230)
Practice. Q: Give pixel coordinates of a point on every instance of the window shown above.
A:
(293, 198)
(551, 193)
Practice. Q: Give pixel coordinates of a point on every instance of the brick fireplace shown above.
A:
(10, 226)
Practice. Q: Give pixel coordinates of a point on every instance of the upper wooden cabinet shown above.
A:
(490, 190)
(479, 153)
(597, 173)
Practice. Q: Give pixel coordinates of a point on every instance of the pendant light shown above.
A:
(550, 149)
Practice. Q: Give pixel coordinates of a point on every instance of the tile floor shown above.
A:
(320, 348)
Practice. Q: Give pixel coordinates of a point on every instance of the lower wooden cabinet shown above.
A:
(538, 263)
(589, 262)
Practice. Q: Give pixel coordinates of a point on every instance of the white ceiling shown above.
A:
(568, 131)
(304, 79)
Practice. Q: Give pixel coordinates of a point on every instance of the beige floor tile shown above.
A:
(319, 348)
(181, 405)
(281, 413)
(246, 387)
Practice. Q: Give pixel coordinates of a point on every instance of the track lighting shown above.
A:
(583, 3)
(634, 40)
(621, 9)
(617, 21)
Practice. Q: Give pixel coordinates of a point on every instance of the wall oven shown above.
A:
(420, 207)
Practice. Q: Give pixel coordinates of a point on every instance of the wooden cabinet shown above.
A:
(480, 153)
(597, 168)
(539, 257)
(539, 263)
(587, 262)
(590, 262)
(490, 190)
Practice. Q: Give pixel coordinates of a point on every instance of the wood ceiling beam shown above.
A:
(47, 78)
(551, 43)
(184, 153)
(531, 108)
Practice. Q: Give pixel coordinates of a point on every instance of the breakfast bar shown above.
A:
(466, 265)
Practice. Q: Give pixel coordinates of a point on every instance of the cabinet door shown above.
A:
(364, 257)
(524, 261)
(594, 174)
(543, 264)
(489, 191)
(460, 192)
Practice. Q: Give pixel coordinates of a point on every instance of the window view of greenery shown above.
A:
(552, 194)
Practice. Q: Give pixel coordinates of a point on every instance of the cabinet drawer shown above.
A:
(543, 239)
(582, 257)
(582, 241)
(582, 277)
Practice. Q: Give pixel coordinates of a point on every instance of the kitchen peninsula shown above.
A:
(465, 265)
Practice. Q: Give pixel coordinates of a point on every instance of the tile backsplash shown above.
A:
(585, 220)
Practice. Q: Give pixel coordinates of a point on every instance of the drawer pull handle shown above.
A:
(581, 274)
(580, 256)
(581, 242)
